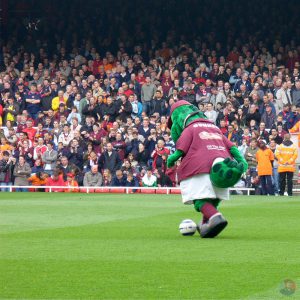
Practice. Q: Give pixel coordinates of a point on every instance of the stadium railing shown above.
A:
(113, 189)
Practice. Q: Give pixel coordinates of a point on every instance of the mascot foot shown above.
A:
(214, 226)
(226, 173)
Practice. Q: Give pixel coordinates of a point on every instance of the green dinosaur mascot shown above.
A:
(210, 164)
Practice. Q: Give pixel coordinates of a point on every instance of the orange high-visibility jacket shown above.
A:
(296, 129)
(264, 165)
(286, 156)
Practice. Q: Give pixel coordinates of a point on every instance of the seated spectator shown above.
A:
(107, 178)
(56, 179)
(38, 179)
(93, 177)
(71, 185)
(163, 180)
(119, 179)
(131, 181)
(149, 180)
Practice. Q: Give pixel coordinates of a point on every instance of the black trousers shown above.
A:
(283, 178)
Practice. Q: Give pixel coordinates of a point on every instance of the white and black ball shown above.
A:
(187, 227)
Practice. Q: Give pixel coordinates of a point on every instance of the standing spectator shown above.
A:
(286, 154)
(39, 150)
(49, 158)
(268, 117)
(210, 113)
(296, 129)
(10, 110)
(29, 130)
(93, 177)
(66, 136)
(149, 180)
(296, 93)
(159, 155)
(60, 99)
(273, 147)
(33, 100)
(22, 172)
(263, 133)
(147, 93)
(124, 108)
(265, 158)
(6, 170)
(159, 104)
(110, 159)
(119, 145)
(250, 156)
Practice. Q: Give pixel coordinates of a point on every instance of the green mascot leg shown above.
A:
(213, 222)
(198, 204)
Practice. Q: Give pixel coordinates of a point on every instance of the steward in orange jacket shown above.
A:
(286, 153)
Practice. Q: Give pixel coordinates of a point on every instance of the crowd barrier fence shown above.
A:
(116, 190)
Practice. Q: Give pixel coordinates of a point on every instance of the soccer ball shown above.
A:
(187, 227)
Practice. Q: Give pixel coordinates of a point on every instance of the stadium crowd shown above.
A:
(73, 115)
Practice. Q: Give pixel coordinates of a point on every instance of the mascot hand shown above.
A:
(173, 158)
(171, 161)
(226, 173)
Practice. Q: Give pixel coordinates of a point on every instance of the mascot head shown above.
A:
(182, 114)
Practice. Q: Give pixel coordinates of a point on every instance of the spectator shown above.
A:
(38, 179)
(107, 178)
(286, 154)
(93, 177)
(147, 93)
(268, 117)
(66, 167)
(131, 181)
(149, 180)
(59, 99)
(119, 179)
(71, 185)
(56, 179)
(21, 173)
(250, 156)
(296, 93)
(265, 158)
(160, 155)
(6, 170)
(33, 100)
(110, 159)
(210, 113)
(163, 180)
(49, 158)
(275, 175)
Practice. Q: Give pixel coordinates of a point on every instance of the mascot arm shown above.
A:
(174, 157)
(239, 157)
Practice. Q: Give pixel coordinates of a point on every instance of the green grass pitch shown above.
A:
(110, 246)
